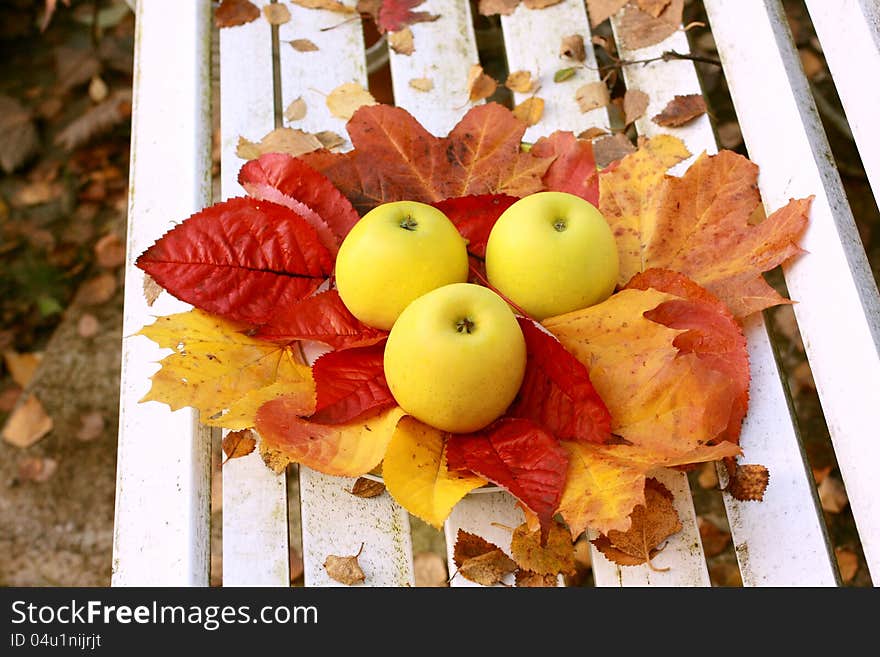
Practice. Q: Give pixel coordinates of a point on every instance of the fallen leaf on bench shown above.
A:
(639, 29)
(653, 7)
(680, 111)
(350, 383)
(347, 98)
(479, 560)
(367, 488)
(521, 82)
(422, 84)
(27, 424)
(296, 110)
(303, 45)
(291, 141)
(329, 5)
(572, 46)
(530, 110)
(528, 579)
(394, 15)
(276, 13)
(492, 7)
(479, 84)
(635, 102)
(402, 42)
(37, 469)
(564, 74)
(602, 10)
(555, 556)
(651, 524)
(238, 443)
(152, 290)
(540, 4)
(748, 482)
(21, 367)
(592, 95)
(574, 167)
(346, 570)
(416, 473)
(235, 12)
(329, 139)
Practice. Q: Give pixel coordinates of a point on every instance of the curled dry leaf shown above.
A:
(238, 443)
(551, 557)
(235, 12)
(276, 13)
(28, 423)
(572, 46)
(521, 82)
(528, 579)
(601, 10)
(345, 570)
(422, 84)
(303, 45)
(748, 482)
(402, 42)
(680, 110)
(635, 102)
(479, 84)
(329, 5)
(291, 141)
(593, 133)
(329, 139)
(639, 29)
(37, 469)
(347, 98)
(367, 488)
(479, 560)
(295, 111)
(592, 95)
(530, 110)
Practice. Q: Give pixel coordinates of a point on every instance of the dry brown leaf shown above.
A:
(638, 29)
(274, 459)
(235, 12)
(572, 46)
(555, 557)
(635, 102)
(479, 560)
(479, 84)
(329, 139)
(97, 120)
(303, 45)
(610, 149)
(748, 482)
(345, 99)
(18, 135)
(98, 90)
(593, 133)
(847, 563)
(87, 326)
(37, 469)
(281, 140)
(652, 523)
(540, 4)
(110, 251)
(27, 424)
(401, 42)
(296, 110)
(346, 570)
(329, 5)
(530, 110)
(276, 13)
(681, 110)
(832, 495)
(601, 10)
(653, 7)
(715, 540)
(152, 290)
(21, 367)
(97, 290)
(364, 487)
(422, 84)
(592, 95)
(430, 570)
(528, 579)
(522, 82)
(238, 443)
(503, 7)
(91, 426)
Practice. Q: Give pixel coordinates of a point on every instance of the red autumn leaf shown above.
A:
(395, 158)
(350, 383)
(323, 318)
(556, 392)
(573, 169)
(518, 455)
(711, 333)
(394, 15)
(474, 217)
(289, 181)
(242, 259)
(235, 12)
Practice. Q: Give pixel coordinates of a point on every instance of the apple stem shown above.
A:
(409, 223)
(464, 325)
(479, 276)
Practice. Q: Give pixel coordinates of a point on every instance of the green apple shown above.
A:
(394, 254)
(551, 253)
(456, 357)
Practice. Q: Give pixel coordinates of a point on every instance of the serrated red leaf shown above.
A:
(556, 392)
(474, 217)
(289, 181)
(395, 158)
(518, 455)
(712, 333)
(350, 383)
(394, 15)
(242, 259)
(574, 167)
(323, 318)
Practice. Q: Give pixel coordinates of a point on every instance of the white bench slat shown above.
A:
(839, 309)
(849, 31)
(769, 435)
(163, 471)
(255, 532)
(334, 521)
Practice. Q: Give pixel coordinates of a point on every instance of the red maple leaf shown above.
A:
(323, 318)
(556, 392)
(474, 217)
(394, 15)
(242, 259)
(396, 159)
(573, 169)
(289, 181)
(350, 383)
(518, 455)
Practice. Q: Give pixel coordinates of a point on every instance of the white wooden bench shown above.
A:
(163, 488)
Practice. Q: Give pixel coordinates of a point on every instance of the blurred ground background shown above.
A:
(65, 106)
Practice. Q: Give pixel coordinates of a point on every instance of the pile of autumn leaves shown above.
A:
(655, 376)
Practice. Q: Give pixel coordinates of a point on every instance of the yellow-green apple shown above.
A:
(551, 253)
(394, 254)
(456, 357)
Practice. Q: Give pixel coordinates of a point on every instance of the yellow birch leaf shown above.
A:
(223, 373)
(415, 472)
(347, 98)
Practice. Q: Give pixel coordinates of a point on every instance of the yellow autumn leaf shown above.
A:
(347, 98)
(415, 472)
(223, 373)
(628, 195)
